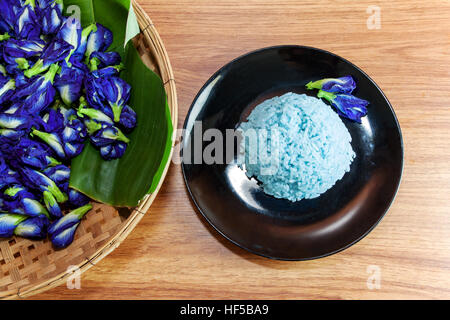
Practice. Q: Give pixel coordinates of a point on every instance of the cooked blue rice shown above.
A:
(303, 148)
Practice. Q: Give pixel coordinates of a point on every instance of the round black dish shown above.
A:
(239, 209)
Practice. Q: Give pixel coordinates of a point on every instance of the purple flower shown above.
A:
(70, 32)
(69, 220)
(63, 132)
(113, 150)
(128, 118)
(8, 223)
(7, 176)
(20, 201)
(52, 205)
(98, 40)
(116, 92)
(104, 59)
(14, 49)
(7, 87)
(62, 232)
(33, 228)
(59, 174)
(70, 81)
(340, 85)
(15, 121)
(38, 181)
(51, 16)
(65, 238)
(54, 53)
(81, 49)
(7, 15)
(34, 154)
(347, 106)
(26, 24)
(39, 92)
(111, 142)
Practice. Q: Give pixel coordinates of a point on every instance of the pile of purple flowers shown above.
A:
(339, 93)
(59, 88)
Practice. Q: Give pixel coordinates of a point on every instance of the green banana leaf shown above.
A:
(124, 182)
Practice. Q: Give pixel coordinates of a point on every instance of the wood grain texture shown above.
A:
(174, 254)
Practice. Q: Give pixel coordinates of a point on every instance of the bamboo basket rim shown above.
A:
(161, 57)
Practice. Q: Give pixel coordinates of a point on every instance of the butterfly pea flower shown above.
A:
(55, 52)
(14, 121)
(51, 16)
(9, 223)
(117, 93)
(340, 85)
(128, 118)
(81, 49)
(53, 121)
(62, 232)
(59, 174)
(7, 176)
(69, 220)
(52, 205)
(65, 238)
(104, 59)
(35, 154)
(14, 108)
(41, 182)
(33, 228)
(65, 137)
(113, 151)
(346, 105)
(70, 32)
(39, 93)
(69, 81)
(26, 202)
(76, 198)
(7, 87)
(73, 133)
(98, 40)
(106, 72)
(23, 226)
(7, 15)
(21, 80)
(52, 140)
(11, 137)
(16, 48)
(73, 149)
(92, 113)
(42, 4)
(94, 85)
(26, 24)
(111, 142)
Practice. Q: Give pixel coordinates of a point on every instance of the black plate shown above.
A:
(239, 209)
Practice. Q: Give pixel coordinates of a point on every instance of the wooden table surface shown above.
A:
(173, 254)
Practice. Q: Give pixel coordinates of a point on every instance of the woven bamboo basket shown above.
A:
(31, 267)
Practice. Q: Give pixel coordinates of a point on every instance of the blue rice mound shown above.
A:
(303, 148)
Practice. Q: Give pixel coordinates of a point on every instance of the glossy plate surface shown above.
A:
(239, 209)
